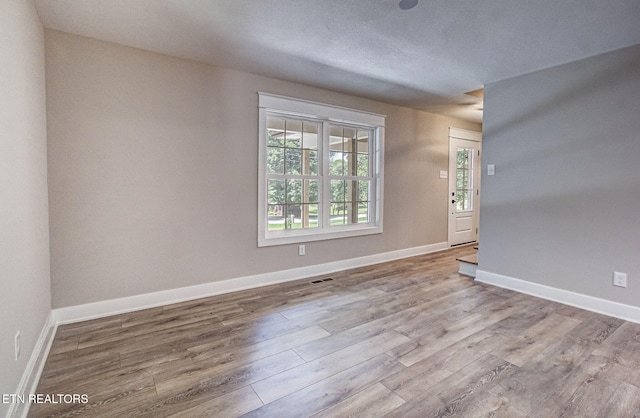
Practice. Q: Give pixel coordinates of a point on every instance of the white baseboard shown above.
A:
(33, 370)
(150, 300)
(589, 303)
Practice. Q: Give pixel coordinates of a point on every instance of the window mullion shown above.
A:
(325, 202)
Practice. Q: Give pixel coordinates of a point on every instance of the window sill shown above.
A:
(309, 236)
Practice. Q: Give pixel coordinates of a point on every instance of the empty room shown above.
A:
(223, 208)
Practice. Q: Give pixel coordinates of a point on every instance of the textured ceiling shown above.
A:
(424, 58)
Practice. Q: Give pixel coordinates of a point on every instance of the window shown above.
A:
(320, 171)
(464, 179)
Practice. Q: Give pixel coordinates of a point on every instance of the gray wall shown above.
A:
(153, 173)
(25, 298)
(563, 208)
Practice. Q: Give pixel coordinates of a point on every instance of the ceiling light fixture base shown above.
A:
(408, 4)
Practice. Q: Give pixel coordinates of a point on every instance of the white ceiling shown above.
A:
(424, 58)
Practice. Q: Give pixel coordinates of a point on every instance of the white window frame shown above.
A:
(270, 104)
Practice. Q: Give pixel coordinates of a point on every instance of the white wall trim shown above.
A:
(149, 300)
(33, 370)
(465, 134)
(589, 303)
(307, 108)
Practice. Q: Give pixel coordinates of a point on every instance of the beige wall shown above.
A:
(153, 173)
(24, 237)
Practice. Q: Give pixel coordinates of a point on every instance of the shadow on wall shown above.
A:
(566, 93)
(561, 146)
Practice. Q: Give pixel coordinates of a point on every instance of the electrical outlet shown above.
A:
(619, 279)
(17, 346)
(302, 249)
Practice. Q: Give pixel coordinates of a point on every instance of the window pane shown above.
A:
(292, 217)
(313, 216)
(275, 217)
(310, 191)
(363, 212)
(350, 164)
(294, 134)
(338, 211)
(309, 162)
(275, 160)
(337, 191)
(350, 212)
(275, 192)
(349, 139)
(462, 179)
(293, 163)
(335, 163)
(363, 191)
(363, 142)
(464, 157)
(309, 216)
(310, 135)
(294, 191)
(363, 165)
(463, 200)
(275, 132)
(335, 134)
(335, 141)
(351, 192)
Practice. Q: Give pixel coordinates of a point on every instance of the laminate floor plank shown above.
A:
(513, 325)
(207, 376)
(465, 403)
(330, 391)
(485, 404)
(625, 401)
(420, 304)
(89, 327)
(321, 305)
(537, 338)
(442, 335)
(623, 345)
(587, 387)
(412, 382)
(180, 392)
(264, 348)
(283, 384)
(409, 337)
(64, 345)
(376, 400)
(237, 336)
(545, 381)
(336, 342)
(232, 404)
(255, 319)
(452, 395)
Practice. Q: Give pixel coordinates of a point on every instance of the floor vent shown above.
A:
(322, 280)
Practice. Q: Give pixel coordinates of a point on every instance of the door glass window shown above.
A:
(464, 180)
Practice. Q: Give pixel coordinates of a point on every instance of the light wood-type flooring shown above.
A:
(409, 338)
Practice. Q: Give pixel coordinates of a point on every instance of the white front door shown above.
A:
(464, 186)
